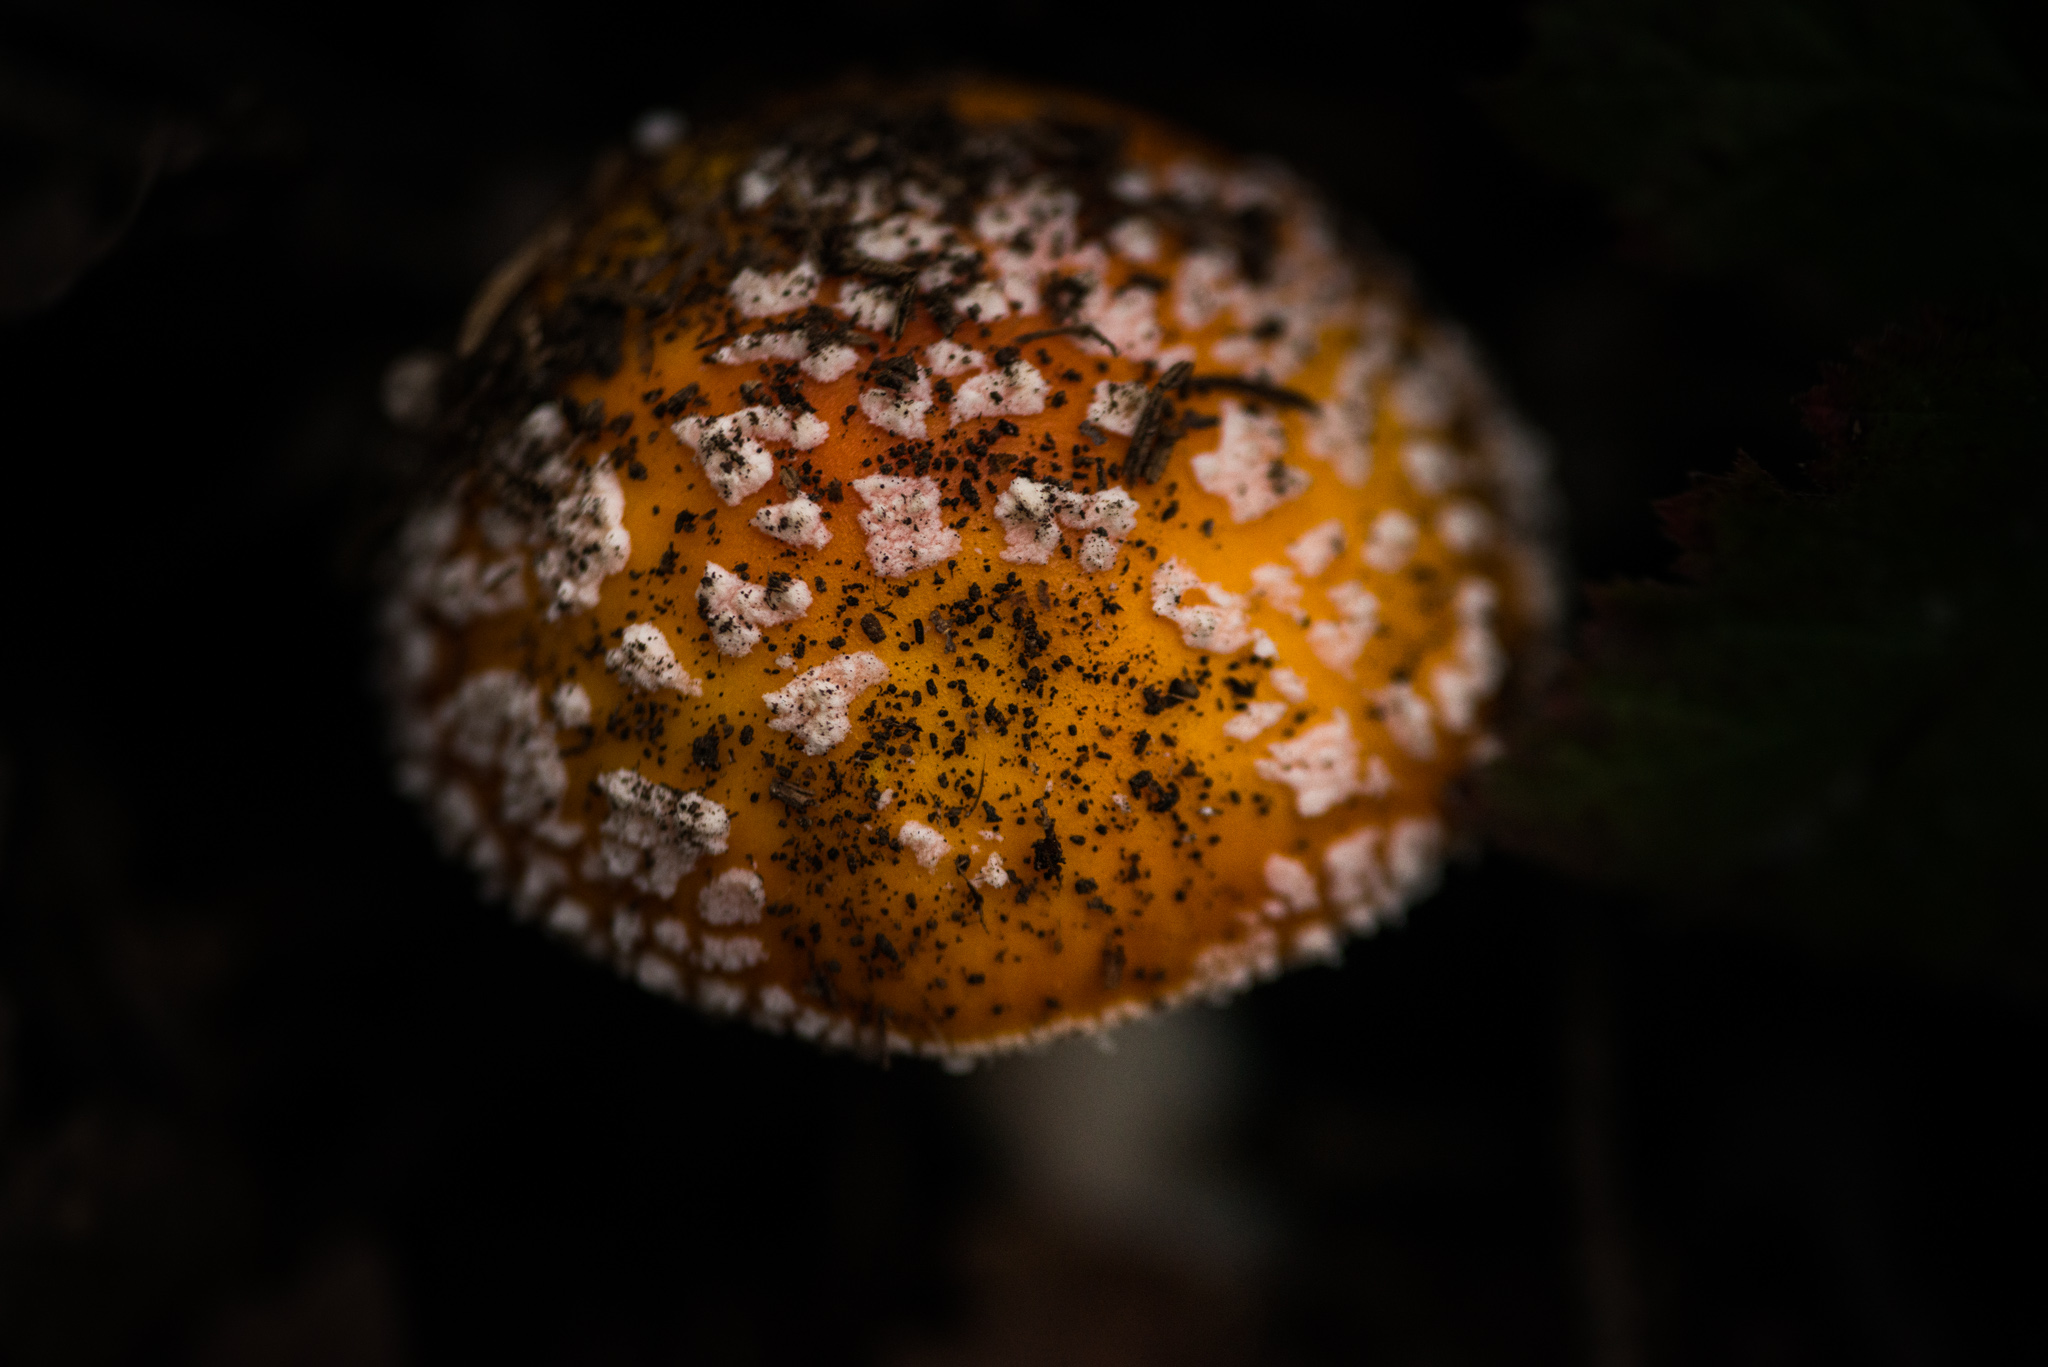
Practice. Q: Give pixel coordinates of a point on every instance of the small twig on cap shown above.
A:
(1088, 330)
(1147, 458)
(1258, 389)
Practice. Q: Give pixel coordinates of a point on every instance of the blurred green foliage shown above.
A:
(1834, 713)
(1829, 718)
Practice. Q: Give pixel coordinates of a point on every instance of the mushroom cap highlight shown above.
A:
(934, 571)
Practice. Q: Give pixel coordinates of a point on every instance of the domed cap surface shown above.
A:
(933, 572)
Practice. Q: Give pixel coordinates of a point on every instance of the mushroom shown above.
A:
(937, 571)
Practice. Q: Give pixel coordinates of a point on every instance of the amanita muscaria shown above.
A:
(934, 571)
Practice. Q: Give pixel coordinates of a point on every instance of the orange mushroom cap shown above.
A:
(938, 571)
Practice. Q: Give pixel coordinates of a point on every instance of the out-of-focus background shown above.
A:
(1725, 1050)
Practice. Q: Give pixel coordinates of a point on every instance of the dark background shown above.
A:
(274, 1087)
